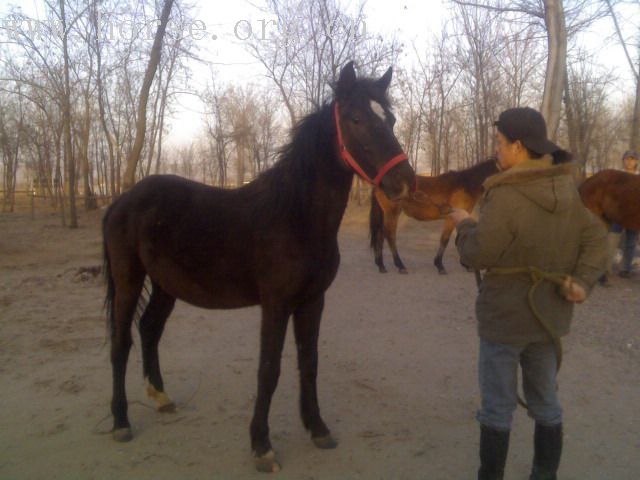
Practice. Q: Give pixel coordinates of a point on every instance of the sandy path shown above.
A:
(397, 373)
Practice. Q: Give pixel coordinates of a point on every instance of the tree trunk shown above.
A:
(240, 151)
(141, 123)
(66, 113)
(154, 128)
(163, 104)
(556, 64)
(58, 182)
(571, 121)
(89, 197)
(635, 124)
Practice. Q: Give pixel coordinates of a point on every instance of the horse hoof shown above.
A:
(325, 442)
(442, 271)
(382, 269)
(163, 402)
(403, 271)
(122, 434)
(267, 463)
(167, 408)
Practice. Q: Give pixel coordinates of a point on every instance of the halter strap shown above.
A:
(350, 161)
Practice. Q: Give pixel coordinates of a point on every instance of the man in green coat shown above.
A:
(542, 251)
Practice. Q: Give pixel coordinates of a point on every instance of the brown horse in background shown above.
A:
(614, 196)
(433, 199)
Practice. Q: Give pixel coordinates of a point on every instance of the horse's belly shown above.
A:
(422, 213)
(205, 291)
(219, 297)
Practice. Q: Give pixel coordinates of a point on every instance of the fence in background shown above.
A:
(29, 201)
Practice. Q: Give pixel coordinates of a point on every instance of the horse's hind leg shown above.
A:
(306, 322)
(444, 241)
(151, 326)
(128, 280)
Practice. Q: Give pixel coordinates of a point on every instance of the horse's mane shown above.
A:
(474, 176)
(284, 190)
(486, 167)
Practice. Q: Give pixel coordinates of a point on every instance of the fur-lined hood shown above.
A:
(549, 186)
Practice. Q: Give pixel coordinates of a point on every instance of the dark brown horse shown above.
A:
(434, 197)
(614, 196)
(272, 242)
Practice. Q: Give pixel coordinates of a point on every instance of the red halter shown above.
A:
(349, 160)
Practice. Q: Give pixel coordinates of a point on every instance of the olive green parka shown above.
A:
(530, 216)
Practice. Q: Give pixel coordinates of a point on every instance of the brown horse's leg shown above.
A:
(272, 333)
(444, 241)
(127, 292)
(378, 249)
(306, 322)
(376, 230)
(390, 230)
(151, 326)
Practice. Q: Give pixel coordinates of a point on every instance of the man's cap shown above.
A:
(631, 154)
(528, 126)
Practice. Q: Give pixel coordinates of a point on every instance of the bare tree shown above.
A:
(304, 48)
(141, 124)
(559, 21)
(585, 106)
(11, 135)
(218, 135)
(96, 44)
(266, 133)
(634, 140)
(241, 125)
(69, 159)
(477, 52)
(520, 60)
(556, 64)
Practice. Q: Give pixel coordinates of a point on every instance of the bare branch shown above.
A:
(635, 71)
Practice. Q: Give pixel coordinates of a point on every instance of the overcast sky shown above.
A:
(221, 25)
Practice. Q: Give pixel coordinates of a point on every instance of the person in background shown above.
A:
(629, 238)
(534, 237)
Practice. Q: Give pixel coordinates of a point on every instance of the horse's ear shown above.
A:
(385, 80)
(346, 79)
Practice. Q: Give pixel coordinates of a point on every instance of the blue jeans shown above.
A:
(628, 249)
(498, 376)
(629, 241)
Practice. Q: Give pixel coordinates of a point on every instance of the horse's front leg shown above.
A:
(444, 241)
(306, 322)
(272, 334)
(390, 231)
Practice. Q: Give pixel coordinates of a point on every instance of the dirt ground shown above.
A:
(397, 377)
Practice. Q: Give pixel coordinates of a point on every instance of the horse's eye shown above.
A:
(355, 119)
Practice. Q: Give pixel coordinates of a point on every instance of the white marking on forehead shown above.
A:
(378, 110)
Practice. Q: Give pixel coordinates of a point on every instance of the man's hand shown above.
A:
(573, 291)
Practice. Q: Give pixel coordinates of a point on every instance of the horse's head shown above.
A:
(366, 141)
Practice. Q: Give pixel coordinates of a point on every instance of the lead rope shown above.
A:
(537, 277)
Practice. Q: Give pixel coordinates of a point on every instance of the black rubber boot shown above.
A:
(494, 445)
(547, 442)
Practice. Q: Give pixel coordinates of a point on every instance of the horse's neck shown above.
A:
(331, 189)
(477, 175)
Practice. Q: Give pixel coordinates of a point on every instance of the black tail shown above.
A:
(106, 271)
(143, 301)
(376, 220)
